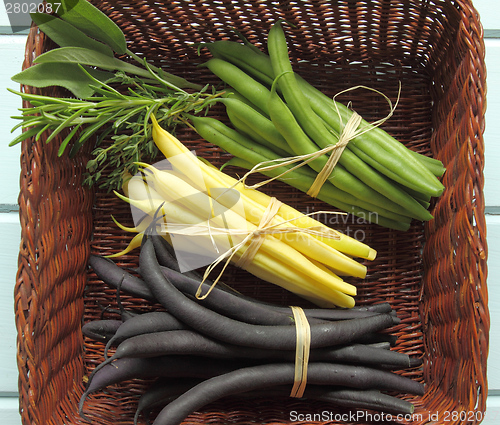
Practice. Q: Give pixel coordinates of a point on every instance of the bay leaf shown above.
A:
(67, 75)
(91, 21)
(89, 57)
(66, 35)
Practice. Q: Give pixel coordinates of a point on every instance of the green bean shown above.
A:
(384, 186)
(388, 172)
(435, 166)
(389, 190)
(233, 94)
(369, 215)
(315, 127)
(217, 133)
(262, 125)
(355, 161)
(244, 57)
(376, 143)
(420, 197)
(283, 73)
(260, 128)
(242, 127)
(259, 95)
(238, 145)
(239, 80)
(300, 143)
(359, 177)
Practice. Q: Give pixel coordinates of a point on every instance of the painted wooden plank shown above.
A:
(12, 54)
(488, 13)
(9, 411)
(4, 18)
(10, 231)
(492, 129)
(492, 416)
(493, 239)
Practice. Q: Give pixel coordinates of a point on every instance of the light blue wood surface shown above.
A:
(492, 131)
(12, 51)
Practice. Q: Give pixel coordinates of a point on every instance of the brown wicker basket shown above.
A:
(434, 275)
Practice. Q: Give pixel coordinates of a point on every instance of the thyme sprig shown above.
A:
(132, 138)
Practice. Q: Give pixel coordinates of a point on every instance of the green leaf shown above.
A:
(65, 35)
(67, 139)
(80, 55)
(67, 75)
(25, 135)
(90, 20)
(88, 132)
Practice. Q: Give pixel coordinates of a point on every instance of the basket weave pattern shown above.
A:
(434, 275)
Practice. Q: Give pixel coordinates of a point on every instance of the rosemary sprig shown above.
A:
(109, 111)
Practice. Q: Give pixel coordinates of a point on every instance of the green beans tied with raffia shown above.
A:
(272, 107)
(348, 364)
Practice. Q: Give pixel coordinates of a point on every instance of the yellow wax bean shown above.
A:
(299, 284)
(167, 143)
(266, 265)
(345, 244)
(141, 227)
(134, 244)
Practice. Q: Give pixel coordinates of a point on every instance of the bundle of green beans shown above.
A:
(230, 344)
(277, 114)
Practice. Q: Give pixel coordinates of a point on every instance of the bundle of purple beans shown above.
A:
(228, 344)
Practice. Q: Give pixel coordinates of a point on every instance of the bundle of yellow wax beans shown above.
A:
(295, 251)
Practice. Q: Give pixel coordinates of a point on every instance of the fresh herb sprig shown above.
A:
(124, 117)
(132, 139)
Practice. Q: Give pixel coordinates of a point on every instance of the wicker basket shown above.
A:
(434, 275)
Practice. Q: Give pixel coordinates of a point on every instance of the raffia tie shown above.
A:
(259, 234)
(302, 349)
(257, 237)
(348, 133)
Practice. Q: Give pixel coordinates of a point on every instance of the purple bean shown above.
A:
(270, 375)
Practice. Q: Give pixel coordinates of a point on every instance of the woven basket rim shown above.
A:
(471, 222)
